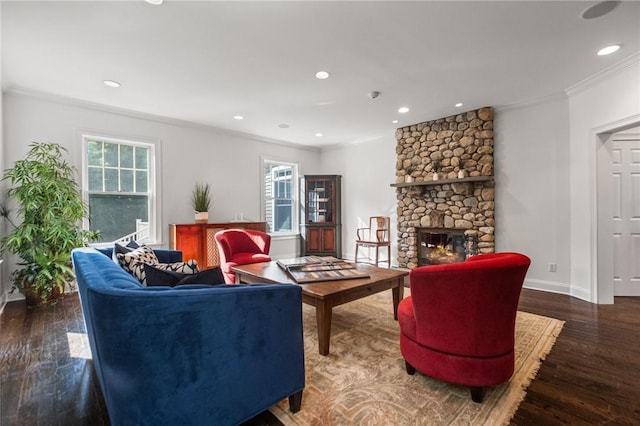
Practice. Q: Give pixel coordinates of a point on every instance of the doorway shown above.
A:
(626, 214)
(618, 213)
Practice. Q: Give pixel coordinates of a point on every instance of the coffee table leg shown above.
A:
(323, 319)
(398, 295)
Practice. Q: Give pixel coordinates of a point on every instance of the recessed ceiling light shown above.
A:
(111, 83)
(403, 110)
(609, 50)
(319, 135)
(599, 9)
(395, 121)
(238, 117)
(322, 75)
(459, 104)
(154, 2)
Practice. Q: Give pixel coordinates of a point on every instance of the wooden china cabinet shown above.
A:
(196, 240)
(321, 225)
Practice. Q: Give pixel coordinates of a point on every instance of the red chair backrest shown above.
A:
(233, 241)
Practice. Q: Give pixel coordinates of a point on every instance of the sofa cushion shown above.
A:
(158, 275)
(119, 248)
(133, 261)
(189, 267)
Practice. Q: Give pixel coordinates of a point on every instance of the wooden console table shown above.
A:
(196, 240)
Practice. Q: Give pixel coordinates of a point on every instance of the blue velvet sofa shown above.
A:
(189, 355)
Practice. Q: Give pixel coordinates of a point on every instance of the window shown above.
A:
(280, 185)
(119, 183)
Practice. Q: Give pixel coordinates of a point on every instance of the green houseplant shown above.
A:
(201, 201)
(436, 166)
(408, 177)
(50, 207)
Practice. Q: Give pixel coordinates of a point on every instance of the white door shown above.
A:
(626, 217)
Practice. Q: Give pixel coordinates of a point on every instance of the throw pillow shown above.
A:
(133, 262)
(161, 277)
(119, 248)
(188, 267)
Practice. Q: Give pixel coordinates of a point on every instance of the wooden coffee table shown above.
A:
(324, 295)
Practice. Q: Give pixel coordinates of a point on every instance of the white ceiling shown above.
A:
(205, 62)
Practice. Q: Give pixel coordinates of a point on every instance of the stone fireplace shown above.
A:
(440, 216)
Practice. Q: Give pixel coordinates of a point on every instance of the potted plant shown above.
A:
(50, 209)
(201, 201)
(408, 174)
(436, 168)
(461, 172)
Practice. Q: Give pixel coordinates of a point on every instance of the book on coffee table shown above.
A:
(309, 269)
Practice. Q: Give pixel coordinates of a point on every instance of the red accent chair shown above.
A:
(458, 324)
(240, 247)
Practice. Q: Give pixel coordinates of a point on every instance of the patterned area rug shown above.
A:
(363, 380)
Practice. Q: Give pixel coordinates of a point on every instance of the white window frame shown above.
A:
(295, 225)
(154, 184)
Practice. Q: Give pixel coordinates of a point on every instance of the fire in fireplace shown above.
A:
(442, 245)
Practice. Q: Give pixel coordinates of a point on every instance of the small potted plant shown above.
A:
(201, 201)
(49, 211)
(408, 177)
(461, 172)
(436, 168)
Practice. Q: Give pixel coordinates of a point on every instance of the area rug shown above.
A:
(363, 380)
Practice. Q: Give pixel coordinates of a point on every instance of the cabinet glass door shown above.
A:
(319, 201)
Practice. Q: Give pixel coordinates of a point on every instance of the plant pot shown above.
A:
(408, 178)
(435, 176)
(34, 300)
(202, 217)
(460, 174)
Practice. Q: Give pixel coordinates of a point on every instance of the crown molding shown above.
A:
(576, 88)
(21, 91)
(605, 74)
(531, 101)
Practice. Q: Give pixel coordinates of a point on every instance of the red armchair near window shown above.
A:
(240, 247)
(458, 324)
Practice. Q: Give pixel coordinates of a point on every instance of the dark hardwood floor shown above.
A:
(591, 376)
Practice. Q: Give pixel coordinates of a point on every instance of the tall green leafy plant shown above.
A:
(47, 220)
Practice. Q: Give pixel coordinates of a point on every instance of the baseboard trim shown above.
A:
(550, 286)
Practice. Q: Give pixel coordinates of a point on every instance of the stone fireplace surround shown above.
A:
(458, 142)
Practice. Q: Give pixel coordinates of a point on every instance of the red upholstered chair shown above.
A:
(240, 247)
(458, 324)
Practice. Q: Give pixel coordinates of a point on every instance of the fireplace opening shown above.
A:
(442, 245)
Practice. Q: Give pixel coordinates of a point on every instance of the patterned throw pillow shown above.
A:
(188, 267)
(119, 248)
(133, 262)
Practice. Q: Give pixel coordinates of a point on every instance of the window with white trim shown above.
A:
(119, 185)
(280, 196)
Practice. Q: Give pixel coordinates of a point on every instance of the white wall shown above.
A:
(532, 188)
(368, 170)
(599, 105)
(230, 162)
